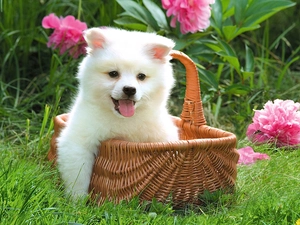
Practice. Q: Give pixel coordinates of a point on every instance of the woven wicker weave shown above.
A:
(204, 159)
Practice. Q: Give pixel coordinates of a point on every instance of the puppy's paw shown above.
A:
(77, 195)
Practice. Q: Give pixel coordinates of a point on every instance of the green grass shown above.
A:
(267, 192)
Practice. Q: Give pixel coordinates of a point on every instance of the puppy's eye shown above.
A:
(113, 74)
(141, 76)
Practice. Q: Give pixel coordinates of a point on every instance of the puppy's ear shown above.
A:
(160, 51)
(94, 38)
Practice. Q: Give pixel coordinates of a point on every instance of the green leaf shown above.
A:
(248, 72)
(157, 13)
(247, 75)
(228, 13)
(226, 48)
(237, 89)
(216, 16)
(229, 32)
(198, 49)
(240, 7)
(281, 36)
(232, 60)
(285, 68)
(217, 107)
(249, 60)
(208, 77)
(215, 47)
(258, 11)
(245, 29)
(258, 6)
(226, 6)
(131, 23)
(196, 36)
(138, 12)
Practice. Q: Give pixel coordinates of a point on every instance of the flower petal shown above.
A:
(67, 35)
(277, 122)
(248, 156)
(193, 15)
(51, 21)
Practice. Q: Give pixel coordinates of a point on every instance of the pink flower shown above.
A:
(193, 15)
(248, 156)
(277, 123)
(67, 35)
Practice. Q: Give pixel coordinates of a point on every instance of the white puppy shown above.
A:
(124, 84)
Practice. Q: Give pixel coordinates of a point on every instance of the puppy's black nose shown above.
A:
(129, 90)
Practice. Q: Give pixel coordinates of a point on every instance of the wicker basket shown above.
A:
(204, 159)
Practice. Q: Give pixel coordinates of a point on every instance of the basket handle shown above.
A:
(192, 111)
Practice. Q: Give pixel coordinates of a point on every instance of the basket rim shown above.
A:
(223, 138)
(174, 145)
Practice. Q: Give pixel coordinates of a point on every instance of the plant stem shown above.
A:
(79, 9)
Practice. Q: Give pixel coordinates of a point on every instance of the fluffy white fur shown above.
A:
(94, 118)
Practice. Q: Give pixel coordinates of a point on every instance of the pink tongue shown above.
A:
(126, 107)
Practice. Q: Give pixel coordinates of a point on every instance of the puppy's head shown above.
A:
(126, 71)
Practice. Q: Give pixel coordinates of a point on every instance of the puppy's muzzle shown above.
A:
(125, 105)
(129, 91)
